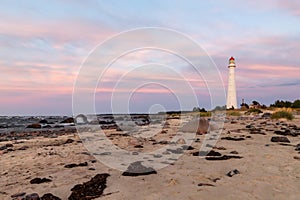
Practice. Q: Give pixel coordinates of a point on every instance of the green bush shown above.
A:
(254, 110)
(282, 114)
(234, 113)
(205, 114)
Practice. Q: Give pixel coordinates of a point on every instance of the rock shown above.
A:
(199, 126)
(84, 164)
(280, 139)
(176, 151)
(91, 189)
(49, 196)
(138, 146)
(3, 147)
(233, 138)
(81, 119)
(213, 153)
(43, 121)
(68, 141)
(233, 172)
(23, 148)
(297, 157)
(137, 169)
(36, 125)
(68, 120)
(234, 152)
(205, 184)
(21, 194)
(249, 126)
(224, 157)
(297, 147)
(286, 132)
(205, 153)
(186, 147)
(9, 145)
(33, 196)
(266, 115)
(40, 180)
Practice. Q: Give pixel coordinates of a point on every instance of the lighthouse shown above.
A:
(231, 92)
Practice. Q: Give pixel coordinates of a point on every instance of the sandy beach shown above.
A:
(244, 164)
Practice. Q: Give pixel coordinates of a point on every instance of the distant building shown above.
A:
(231, 92)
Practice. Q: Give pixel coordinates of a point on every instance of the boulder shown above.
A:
(137, 169)
(199, 126)
(43, 121)
(36, 125)
(280, 139)
(40, 180)
(91, 189)
(49, 196)
(33, 196)
(81, 119)
(68, 120)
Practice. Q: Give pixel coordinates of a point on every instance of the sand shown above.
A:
(267, 170)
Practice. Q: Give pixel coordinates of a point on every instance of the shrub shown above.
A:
(234, 113)
(282, 114)
(205, 114)
(254, 110)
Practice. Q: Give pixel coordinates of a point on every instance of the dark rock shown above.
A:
(256, 131)
(234, 152)
(205, 184)
(233, 138)
(249, 126)
(49, 196)
(266, 115)
(163, 142)
(224, 157)
(33, 196)
(3, 147)
(233, 172)
(40, 180)
(297, 157)
(23, 148)
(68, 120)
(213, 153)
(21, 194)
(43, 121)
(84, 164)
(186, 147)
(205, 153)
(37, 126)
(138, 146)
(297, 147)
(286, 132)
(68, 141)
(9, 145)
(137, 169)
(91, 189)
(280, 139)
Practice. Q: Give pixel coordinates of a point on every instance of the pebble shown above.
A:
(233, 172)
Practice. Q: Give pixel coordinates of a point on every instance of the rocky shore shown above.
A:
(254, 158)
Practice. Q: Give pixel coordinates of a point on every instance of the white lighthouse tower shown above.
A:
(231, 92)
